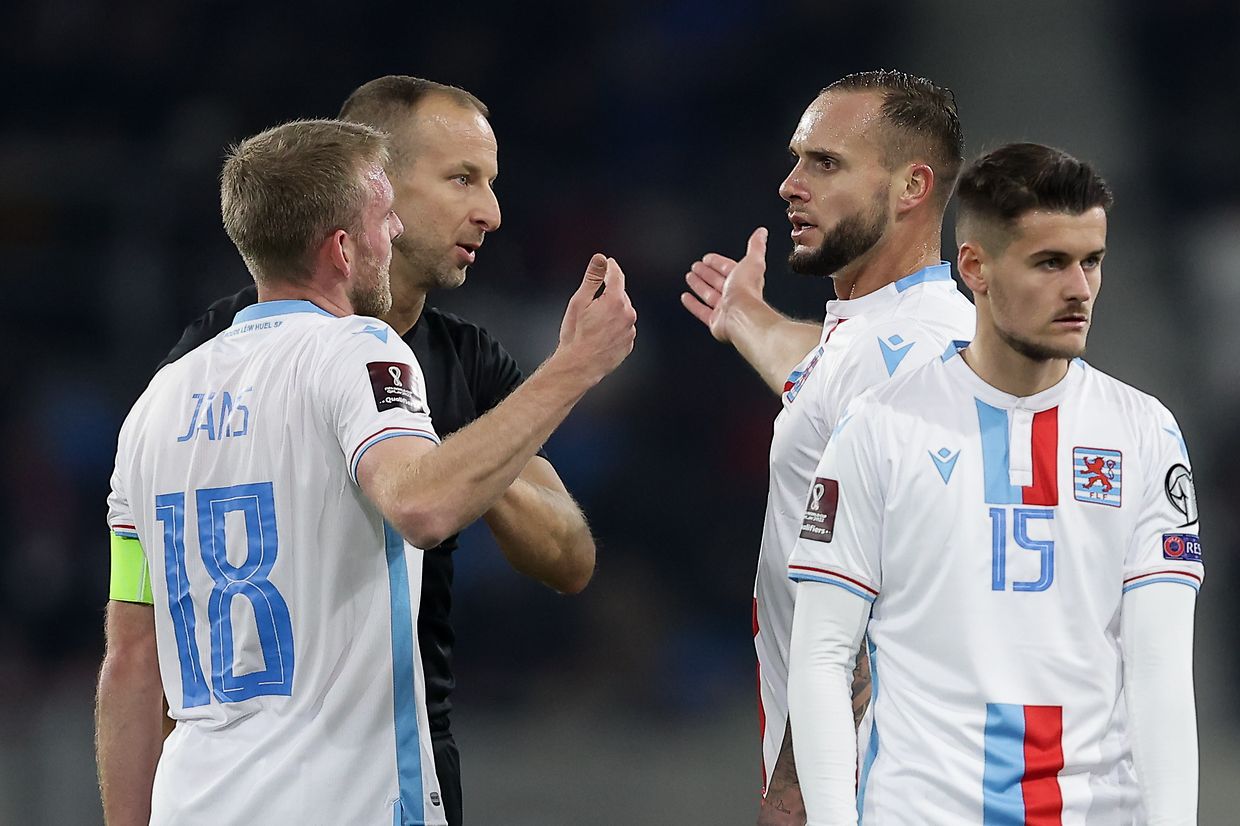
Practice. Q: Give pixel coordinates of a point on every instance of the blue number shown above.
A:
(170, 509)
(256, 503)
(1020, 532)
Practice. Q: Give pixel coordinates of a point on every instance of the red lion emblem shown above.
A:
(1093, 468)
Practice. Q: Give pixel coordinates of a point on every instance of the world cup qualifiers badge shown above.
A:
(393, 385)
(819, 523)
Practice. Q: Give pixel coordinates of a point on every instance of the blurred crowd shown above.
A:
(653, 133)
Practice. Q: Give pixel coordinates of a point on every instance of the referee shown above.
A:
(442, 169)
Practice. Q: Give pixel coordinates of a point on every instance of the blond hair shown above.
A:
(285, 189)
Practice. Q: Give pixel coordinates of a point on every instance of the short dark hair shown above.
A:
(382, 102)
(1002, 185)
(283, 190)
(923, 117)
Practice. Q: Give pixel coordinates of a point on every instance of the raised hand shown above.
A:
(723, 290)
(599, 329)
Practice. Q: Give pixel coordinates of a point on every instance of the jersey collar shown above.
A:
(266, 309)
(848, 308)
(960, 371)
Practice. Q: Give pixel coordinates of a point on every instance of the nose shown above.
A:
(793, 188)
(486, 215)
(396, 228)
(1076, 285)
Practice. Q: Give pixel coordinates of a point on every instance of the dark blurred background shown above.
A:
(651, 132)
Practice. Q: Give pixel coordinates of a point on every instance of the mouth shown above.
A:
(467, 251)
(1072, 321)
(801, 225)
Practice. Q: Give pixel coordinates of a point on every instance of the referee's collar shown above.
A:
(266, 309)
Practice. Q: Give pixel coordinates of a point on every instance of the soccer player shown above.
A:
(1021, 534)
(443, 166)
(265, 481)
(875, 156)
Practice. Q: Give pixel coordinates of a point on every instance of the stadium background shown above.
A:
(654, 133)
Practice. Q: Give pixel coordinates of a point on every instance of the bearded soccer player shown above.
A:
(875, 156)
(443, 169)
(272, 492)
(1019, 530)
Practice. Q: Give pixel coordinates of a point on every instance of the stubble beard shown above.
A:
(373, 297)
(1030, 349)
(428, 269)
(851, 237)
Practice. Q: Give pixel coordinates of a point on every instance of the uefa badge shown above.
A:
(1097, 476)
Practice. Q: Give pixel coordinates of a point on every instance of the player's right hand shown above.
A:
(599, 328)
(722, 289)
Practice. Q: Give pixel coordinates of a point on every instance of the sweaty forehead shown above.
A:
(441, 125)
(840, 120)
(378, 183)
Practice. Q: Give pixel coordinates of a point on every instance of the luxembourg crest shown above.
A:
(1097, 476)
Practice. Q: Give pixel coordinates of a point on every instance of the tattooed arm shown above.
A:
(783, 805)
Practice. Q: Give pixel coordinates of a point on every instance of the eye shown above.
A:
(462, 179)
(1092, 262)
(1050, 264)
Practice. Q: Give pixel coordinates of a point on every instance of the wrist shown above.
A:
(573, 369)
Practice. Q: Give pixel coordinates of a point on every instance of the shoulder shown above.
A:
(1128, 399)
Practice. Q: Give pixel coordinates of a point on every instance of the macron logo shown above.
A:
(945, 462)
(894, 350)
(378, 332)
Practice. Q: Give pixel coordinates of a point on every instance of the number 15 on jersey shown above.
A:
(1021, 517)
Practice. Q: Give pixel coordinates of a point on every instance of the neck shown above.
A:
(997, 364)
(408, 301)
(335, 302)
(886, 263)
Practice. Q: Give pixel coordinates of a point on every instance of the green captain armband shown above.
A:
(131, 580)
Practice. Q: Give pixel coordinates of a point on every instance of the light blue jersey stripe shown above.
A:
(993, 423)
(1003, 800)
(266, 309)
(871, 751)
(408, 745)
(941, 271)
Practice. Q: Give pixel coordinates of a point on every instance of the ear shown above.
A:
(918, 184)
(338, 253)
(969, 263)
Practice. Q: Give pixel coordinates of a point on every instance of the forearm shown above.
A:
(445, 489)
(1157, 638)
(543, 533)
(772, 343)
(783, 803)
(128, 733)
(827, 628)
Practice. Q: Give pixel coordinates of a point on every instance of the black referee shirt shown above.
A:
(467, 373)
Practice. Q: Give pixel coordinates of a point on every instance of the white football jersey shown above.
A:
(995, 537)
(285, 607)
(864, 341)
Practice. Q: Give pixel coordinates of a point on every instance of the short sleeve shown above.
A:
(889, 348)
(130, 579)
(498, 375)
(1166, 545)
(373, 389)
(839, 539)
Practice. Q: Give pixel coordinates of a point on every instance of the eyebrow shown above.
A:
(814, 154)
(1062, 254)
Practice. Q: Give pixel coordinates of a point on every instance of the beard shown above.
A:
(1027, 347)
(851, 237)
(372, 295)
(429, 269)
